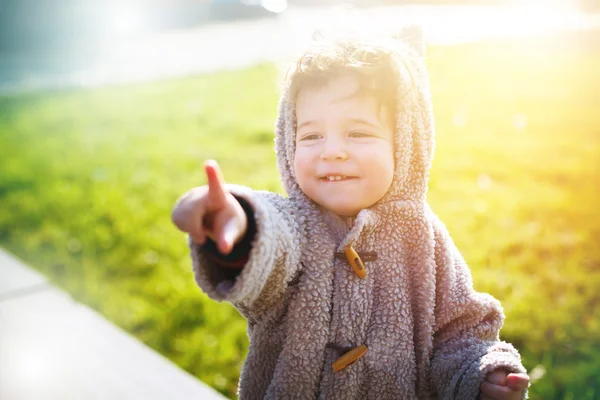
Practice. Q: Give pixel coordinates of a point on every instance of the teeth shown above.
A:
(335, 178)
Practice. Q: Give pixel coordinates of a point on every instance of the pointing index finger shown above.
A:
(216, 188)
(517, 381)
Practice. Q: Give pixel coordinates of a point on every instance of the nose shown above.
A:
(334, 149)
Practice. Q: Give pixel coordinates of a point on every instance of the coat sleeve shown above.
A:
(272, 262)
(467, 324)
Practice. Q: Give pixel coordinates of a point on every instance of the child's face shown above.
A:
(345, 136)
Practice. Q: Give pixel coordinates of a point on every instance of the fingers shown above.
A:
(211, 211)
(196, 226)
(229, 227)
(198, 231)
(198, 238)
(497, 392)
(228, 236)
(216, 188)
(497, 377)
(187, 210)
(518, 382)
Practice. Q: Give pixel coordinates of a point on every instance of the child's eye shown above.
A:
(312, 136)
(360, 134)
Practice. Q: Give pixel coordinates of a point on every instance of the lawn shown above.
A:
(88, 180)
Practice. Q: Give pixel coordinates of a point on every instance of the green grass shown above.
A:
(88, 180)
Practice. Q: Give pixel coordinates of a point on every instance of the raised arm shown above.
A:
(239, 224)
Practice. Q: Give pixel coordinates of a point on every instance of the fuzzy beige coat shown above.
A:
(428, 333)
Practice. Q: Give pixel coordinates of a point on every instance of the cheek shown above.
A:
(302, 165)
(380, 158)
(385, 177)
(382, 169)
(389, 166)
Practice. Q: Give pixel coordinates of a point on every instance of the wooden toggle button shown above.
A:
(355, 262)
(349, 357)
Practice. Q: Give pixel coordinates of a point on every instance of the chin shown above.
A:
(345, 212)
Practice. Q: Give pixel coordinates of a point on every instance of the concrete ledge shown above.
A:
(17, 278)
(54, 348)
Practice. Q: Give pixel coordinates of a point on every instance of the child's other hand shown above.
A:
(211, 211)
(499, 385)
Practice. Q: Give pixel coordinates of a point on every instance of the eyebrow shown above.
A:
(306, 123)
(365, 122)
(355, 120)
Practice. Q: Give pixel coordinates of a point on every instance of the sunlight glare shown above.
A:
(544, 5)
(127, 21)
(520, 122)
(274, 6)
(460, 23)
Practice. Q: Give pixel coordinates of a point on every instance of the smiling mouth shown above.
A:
(336, 178)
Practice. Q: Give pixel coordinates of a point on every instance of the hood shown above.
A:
(414, 131)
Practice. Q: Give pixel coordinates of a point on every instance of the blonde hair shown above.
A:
(372, 59)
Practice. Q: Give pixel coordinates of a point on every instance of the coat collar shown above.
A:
(347, 230)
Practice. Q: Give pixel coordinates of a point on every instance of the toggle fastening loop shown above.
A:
(355, 262)
(349, 357)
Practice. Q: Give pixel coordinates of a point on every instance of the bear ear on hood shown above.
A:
(413, 36)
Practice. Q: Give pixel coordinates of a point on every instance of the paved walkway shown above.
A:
(54, 348)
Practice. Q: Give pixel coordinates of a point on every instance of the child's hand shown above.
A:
(499, 385)
(211, 211)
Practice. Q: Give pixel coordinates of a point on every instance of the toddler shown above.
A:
(351, 286)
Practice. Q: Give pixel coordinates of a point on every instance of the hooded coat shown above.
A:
(427, 333)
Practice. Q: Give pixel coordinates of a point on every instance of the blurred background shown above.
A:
(108, 110)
